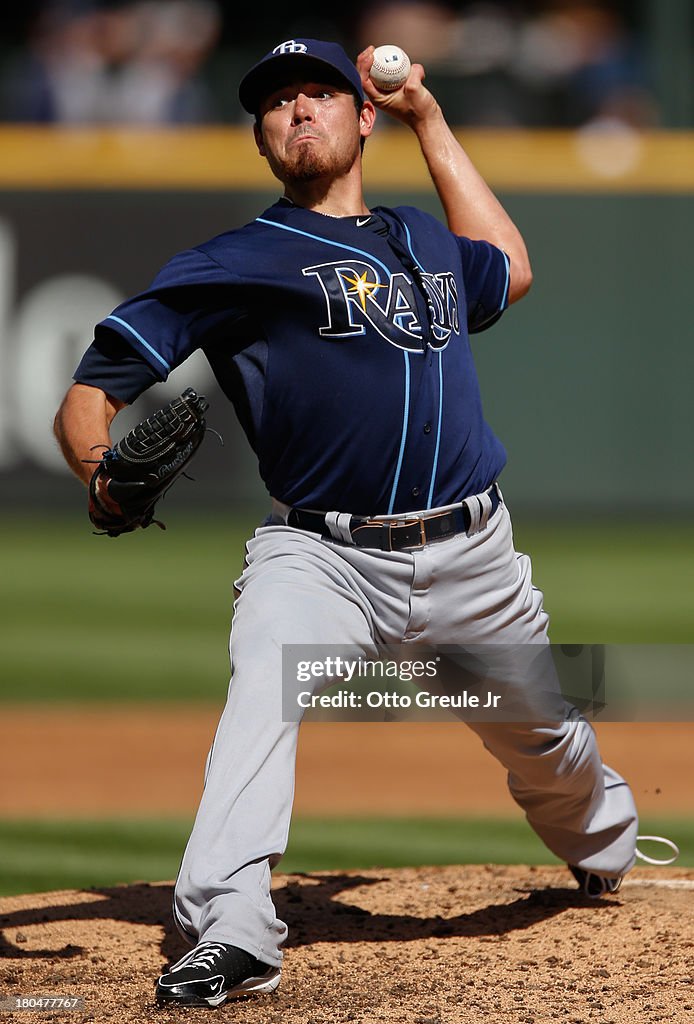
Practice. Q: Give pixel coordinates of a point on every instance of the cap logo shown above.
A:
(290, 46)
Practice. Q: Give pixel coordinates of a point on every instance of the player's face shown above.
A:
(310, 130)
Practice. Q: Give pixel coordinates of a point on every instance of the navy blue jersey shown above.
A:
(343, 345)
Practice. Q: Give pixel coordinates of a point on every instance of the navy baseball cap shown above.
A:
(297, 57)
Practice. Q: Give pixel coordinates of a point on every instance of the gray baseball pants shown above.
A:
(298, 588)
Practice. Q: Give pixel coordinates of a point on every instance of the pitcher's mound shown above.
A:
(452, 945)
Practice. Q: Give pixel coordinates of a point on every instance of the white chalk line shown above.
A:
(661, 883)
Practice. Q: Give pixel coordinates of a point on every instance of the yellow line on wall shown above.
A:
(226, 158)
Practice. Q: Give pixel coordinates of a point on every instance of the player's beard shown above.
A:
(309, 163)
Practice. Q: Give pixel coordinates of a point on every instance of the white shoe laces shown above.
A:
(202, 956)
(657, 839)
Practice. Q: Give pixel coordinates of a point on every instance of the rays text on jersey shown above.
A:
(355, 295)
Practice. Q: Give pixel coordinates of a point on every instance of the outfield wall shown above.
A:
(587, 381)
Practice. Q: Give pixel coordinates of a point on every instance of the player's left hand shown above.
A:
(131, 477)
(411, 103)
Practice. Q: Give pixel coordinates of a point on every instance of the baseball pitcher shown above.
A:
(341, 334)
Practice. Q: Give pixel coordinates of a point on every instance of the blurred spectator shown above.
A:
(505, 63)
(136, 63)
(423, 28)
(562, 62)
(586, 65)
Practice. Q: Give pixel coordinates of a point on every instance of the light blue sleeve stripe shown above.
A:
(326, 241)
(405, 420)
(141, 340)
(438, 433)
(508, 281)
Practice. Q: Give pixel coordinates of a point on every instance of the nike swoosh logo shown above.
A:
(361, 222)
(215, 986)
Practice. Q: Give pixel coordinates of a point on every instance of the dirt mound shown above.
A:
(454, 945)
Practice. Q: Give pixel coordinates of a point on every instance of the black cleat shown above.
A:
(593, 885)
(214, 972)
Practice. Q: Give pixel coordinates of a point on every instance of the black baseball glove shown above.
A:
(133, 475)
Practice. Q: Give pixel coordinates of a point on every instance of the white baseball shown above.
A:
(390, 68)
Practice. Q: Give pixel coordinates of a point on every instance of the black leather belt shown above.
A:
(395, 535)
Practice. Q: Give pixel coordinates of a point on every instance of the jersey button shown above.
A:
(415, 492)
(427, 428)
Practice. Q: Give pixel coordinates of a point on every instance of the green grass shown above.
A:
(146, 616)
(613, 582)
(44, 855)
